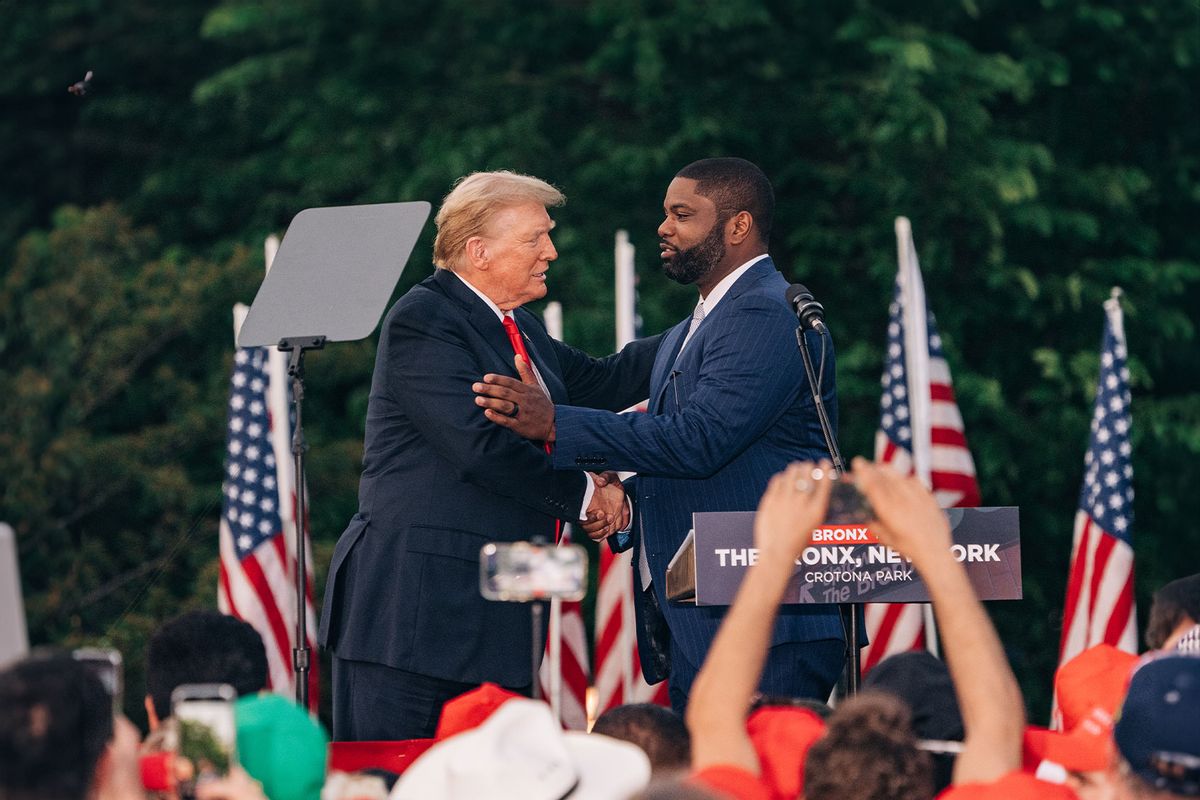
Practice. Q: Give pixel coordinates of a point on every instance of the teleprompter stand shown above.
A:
(331, 280)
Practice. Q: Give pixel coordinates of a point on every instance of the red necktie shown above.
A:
(518, 346)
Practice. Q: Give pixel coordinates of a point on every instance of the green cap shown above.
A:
(281, 746)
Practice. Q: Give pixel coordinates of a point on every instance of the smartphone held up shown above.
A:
(204, 734)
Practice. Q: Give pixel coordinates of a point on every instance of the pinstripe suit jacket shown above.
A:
(733, 410)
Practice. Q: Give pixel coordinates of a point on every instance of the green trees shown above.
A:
(1044, 152)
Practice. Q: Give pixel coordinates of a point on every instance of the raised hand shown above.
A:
(907, 517)
(520, 406)
(794, 504)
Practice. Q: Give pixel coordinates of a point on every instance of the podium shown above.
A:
(845, 563)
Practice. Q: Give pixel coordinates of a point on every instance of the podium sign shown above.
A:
(846, 563)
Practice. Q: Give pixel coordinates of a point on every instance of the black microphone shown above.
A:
(810, 313)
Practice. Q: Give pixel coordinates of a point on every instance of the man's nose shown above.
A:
(665, 228)
(550, 253)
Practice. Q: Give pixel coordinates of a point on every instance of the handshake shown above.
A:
(522, 407)
(608, 511)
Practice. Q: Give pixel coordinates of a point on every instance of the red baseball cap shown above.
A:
(781, 737)
(1096, 678)
(1085, 748)
(1090, 688)
(470, 709)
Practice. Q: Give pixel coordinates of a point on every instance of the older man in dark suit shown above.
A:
(403, 614)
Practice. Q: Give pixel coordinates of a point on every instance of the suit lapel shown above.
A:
(668, 351)
(481, 318)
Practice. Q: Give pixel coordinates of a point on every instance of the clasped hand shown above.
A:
(608, 512)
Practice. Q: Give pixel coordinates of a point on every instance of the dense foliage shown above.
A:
(1045, 151)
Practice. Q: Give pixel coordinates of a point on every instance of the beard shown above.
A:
(689, 266)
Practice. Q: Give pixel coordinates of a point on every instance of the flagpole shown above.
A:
(916, 347)
(916, 357)
(625, 316)
(553, 317)
(1112, 307)
(625, 283)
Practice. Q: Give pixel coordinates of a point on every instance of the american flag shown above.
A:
(619, 677)
(563, 675)
(920, 432)
(566, 647)
(257, 529)
(1099, 607)
(618, 671)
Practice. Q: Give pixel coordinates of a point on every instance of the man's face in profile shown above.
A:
(691, 237)
(519, 252)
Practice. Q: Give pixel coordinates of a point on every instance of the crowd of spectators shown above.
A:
(1128, 727)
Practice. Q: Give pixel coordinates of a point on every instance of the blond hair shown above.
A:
(474, 200)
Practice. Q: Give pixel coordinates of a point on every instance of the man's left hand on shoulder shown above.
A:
(519, 405)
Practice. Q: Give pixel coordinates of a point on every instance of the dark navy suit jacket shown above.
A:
(732, 411)
(439, 481)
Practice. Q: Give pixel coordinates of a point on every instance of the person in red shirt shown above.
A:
(907, 519)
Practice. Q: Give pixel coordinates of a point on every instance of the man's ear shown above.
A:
(477, 253)
(739, 227)
(151, 715)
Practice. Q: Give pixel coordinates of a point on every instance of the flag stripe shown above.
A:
(956, 481)
(225, 602)
(942, 392)
(947, 436)
(572, 678)
(1075, 576)
(609, 633)
(1121, 611)
(881, 633)
(257, 577)
(1099, 558)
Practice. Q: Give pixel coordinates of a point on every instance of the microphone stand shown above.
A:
(853, 668)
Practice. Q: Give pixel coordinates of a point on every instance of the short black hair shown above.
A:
(1173, 604)
(204, 647)
(56, 718)
(657, 730)
(735, 184)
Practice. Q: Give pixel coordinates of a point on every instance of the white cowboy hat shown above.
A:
(521, 753)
